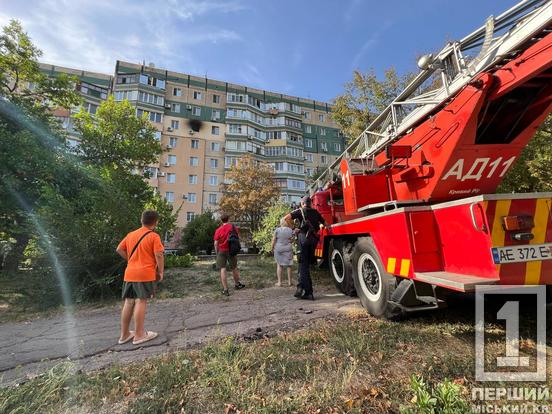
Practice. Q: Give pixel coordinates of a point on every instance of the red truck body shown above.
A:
(421, 209)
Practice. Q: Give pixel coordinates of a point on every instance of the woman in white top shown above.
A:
(283, 251)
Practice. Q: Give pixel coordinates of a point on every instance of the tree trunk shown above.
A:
(15, 255)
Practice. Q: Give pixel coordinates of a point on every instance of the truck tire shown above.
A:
(341, 267)
(374, 286)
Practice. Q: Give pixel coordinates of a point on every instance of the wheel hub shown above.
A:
(371, 277)
(338, 267)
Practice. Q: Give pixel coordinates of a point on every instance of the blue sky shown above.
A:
(306, 48)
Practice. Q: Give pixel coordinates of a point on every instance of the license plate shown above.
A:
(525, 253)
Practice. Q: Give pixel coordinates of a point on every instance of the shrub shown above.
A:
(445, 397)
(263, 236)
(179, 261)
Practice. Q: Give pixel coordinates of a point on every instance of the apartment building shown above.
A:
(205, 126)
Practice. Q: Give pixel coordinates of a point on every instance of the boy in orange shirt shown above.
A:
(144, 252)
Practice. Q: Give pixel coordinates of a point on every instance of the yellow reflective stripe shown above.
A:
(405, 267)
(542, 212)
(391, 262)
(498, 234)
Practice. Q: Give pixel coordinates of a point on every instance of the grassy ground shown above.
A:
(356, 364)
(27, 295)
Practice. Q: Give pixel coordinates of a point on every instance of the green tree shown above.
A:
(251, 191)
(115, 137)
(198, 234)
(263, 235)
(365, 96)
(30, 141)
(533, 169)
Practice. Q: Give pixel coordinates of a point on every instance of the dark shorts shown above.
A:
(224, 260)
(138, 290)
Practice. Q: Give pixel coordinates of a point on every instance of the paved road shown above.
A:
(89, 337)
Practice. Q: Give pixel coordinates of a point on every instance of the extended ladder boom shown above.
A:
(443, 76)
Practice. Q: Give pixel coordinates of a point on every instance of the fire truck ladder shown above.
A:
(442, 76)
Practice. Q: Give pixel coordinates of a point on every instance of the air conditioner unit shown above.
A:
(191, 132)
(169, 129)
(168, 106)
(168, 146)
(160, 174)
(167, 164)
(189, 107)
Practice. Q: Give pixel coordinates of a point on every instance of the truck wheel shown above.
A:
(374, 285)
(341, 268)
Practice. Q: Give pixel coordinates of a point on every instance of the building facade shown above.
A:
(205, 126)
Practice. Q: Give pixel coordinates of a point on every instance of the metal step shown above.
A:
(455, 281)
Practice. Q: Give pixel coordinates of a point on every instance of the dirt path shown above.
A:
(89, 337)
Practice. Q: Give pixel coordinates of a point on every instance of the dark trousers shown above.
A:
(306, 253)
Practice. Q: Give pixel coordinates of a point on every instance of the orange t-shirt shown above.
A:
(141, 266)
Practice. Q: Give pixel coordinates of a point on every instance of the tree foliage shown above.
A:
(263, 235)
(115, 137)
(251, 191)
(198, 234)
(74, 207)
(365, 96)
(533, 169)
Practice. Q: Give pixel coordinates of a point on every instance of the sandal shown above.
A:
(149, 336)
(128, 338)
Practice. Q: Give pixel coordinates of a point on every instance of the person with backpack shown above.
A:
(310, 220)
(144, 253)
(227, 247)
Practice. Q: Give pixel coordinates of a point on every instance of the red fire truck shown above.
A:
(410, 206)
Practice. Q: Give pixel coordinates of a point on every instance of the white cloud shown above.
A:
(372, 40)
(92, 34)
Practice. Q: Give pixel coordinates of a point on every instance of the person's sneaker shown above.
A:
(308, 296)
(225, 292)
(239, 286)
(298, 293)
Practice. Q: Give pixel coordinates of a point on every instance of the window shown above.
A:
(195, 143)
(235, 128)
(157, 135)
(172, 142)
(309, 171)
(324, 146)
(213, 180)
(192, 179)
(309, 157)
(308, 143)
(323, 131)
(190, 215)
(323, 159)
(151, 81)
(337, 146)
(215, 130)
(215, 146)
(196, 111)
(194, 161)
(90, 108)
(306, 115)
(177, 92)
(152, 116)
(212, 199)
(215, 115)
(213, 162)
(175, 124)
(151, 98)
(191, 197)
(175, 107)
(216, 99)
(169, 196)
(293, 123)
(230, 162)
(126, 79)
(308, 129)
(171, 178)
(321, 117)
(197, 95)
(172, 159)
(122, 95)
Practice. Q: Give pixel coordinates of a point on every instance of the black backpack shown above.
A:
(234, 246)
